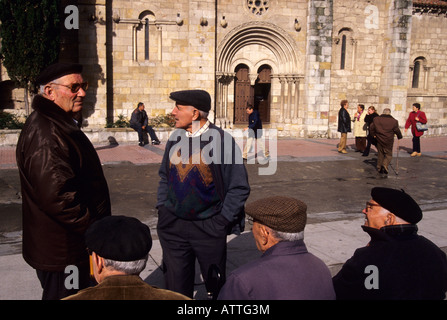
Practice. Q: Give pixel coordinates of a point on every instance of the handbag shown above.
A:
(421, 126)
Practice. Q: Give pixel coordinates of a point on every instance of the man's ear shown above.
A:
(195, 115)
(265, 231)
(49, 92)
(390, 219)
(98, 262)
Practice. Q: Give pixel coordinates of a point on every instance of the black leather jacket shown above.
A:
(344, 121)
(63, 188)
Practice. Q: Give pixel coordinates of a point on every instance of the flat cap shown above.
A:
(279, 213)
(199, 99)
(398, 202)
(56, 71)
(119, 238)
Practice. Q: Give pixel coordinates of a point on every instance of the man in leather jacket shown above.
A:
(63, 186)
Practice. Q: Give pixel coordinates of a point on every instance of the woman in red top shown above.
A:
(416, 116)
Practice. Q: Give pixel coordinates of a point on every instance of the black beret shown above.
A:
(56, 71)
(279, 213)
(119, 238)
(398, 202)
(199, 99)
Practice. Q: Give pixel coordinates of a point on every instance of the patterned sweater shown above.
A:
(188, 190)
(192, 193)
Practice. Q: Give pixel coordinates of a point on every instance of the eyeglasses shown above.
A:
(75, 87)
(369, 205)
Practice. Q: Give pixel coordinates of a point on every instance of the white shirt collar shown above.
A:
(203, 129)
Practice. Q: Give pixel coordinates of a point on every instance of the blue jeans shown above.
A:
(148, 129)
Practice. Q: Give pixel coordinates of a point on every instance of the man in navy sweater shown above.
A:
(202, 191)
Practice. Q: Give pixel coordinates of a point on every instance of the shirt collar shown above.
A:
(202, 130)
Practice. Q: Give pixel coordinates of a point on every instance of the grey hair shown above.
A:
(386, 111)
(42, 87)
(287, 236)
(128, 267)
(203, 114)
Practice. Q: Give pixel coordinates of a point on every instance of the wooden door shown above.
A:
(244, 94)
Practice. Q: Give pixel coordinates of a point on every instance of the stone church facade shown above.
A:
(294, 60)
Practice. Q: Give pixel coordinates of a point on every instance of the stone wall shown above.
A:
(319, 64)
(429, 45)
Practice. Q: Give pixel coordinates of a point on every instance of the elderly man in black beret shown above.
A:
(63, 186)
(397, 264)
(202, 191)
(286, 270)
(119, 248)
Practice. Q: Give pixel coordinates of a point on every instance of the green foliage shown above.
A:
(162, 120)
(122, 122)
(10, 121)
(30, 37)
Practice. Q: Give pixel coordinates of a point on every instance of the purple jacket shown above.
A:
(286, 271)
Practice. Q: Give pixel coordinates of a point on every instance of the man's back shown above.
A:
(287, 271)
(384, 127)
(126, 287)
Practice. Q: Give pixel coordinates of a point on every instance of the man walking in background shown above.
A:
(383, 128)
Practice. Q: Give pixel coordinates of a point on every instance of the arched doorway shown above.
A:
(262, 92)
(257, 95)
(257, 63)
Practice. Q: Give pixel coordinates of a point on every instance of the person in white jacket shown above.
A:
(360, 128)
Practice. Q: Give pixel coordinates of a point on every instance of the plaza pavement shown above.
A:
(332, 241)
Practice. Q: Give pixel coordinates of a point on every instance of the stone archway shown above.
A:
(257, 45)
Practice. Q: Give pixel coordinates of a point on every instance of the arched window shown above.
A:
(345, 52)
(419, 76)
(145, 32)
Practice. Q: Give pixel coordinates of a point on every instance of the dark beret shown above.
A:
(398, 202)
(199, 99)
(119, 238)
(279, 213)
(56, 71)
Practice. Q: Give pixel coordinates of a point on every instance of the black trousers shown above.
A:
(416, 144)
(54, 286)
(184, 241)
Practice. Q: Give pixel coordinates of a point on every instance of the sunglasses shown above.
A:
(75, 87)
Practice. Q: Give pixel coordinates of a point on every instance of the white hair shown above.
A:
(203, 114)
(128, 267)
(397, 220)
(287, 236)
